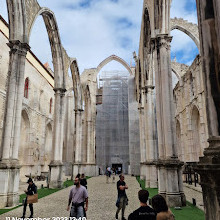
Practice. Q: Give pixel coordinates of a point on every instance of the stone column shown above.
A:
(151, 142)
(67, 158)
(56, 165)
(90, 169)
(168, 163)
(91, 147)
(142, 143)
(9, 165)
(78, 142)
(209, 165)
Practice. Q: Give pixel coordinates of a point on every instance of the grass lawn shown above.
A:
(41, 193)
(188, 212)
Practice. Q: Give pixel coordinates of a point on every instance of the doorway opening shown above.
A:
(117, 167)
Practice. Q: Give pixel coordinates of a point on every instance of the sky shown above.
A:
(92, 30)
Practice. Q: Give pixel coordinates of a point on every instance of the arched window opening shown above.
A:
(26, 87)
(196, 134)
(184, 52)
(51, 103)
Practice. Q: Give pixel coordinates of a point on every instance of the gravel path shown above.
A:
(102, 198)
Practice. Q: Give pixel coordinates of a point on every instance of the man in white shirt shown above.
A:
(78, 196)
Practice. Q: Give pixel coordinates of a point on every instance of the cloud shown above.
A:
(92, 30)
(184, 9)
(182, 46)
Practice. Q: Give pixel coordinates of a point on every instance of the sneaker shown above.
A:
(116, 216)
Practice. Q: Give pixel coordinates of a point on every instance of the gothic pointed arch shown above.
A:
(23, 153)
(55, 44)
(196, 134)
(115, 58)
(48, 146)
(17, 21)
(77, 88)
(186, 27)
(179, 140)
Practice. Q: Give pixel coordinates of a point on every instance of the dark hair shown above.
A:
(78, 175)
(159, 204)
(143, 195)
(121, 175)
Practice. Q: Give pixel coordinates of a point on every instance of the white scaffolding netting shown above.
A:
(112, 121)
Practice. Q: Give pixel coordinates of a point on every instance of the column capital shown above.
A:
(149, 88)
(160, 41)
(60, 91)
(19, 47)
(78, 110)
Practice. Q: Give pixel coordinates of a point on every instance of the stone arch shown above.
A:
(176, 73)
(178, 140)
(77, 88)
(48, 146)
(17, 21)
(24, 151)
(55, 44)
(86, 125)
(195, 123)
(115, 58)
(188, 28)
(146, 48)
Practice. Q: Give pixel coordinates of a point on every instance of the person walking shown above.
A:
(160, 206)
(107, 175)
(78, 196)
(31, 190)
(144, 212)
(122, 200)
(83, 181)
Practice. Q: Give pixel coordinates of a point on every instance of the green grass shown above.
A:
(188, 212)
(68, 183)
(152, 191)
(41, 193)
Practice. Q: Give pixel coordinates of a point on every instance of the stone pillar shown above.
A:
(90, 144)
(68, 150)
(209, 165)
(9, 165)
(168, 163)
(142, 143)
(151, 142)
(78, 142)
(56, 165)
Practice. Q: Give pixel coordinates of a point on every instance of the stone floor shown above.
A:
(194, 192)
(102, 198)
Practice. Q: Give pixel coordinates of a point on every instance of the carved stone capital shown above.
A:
(9, 164)
(170, 163)
(18, 47)
(161, 41)
(60, 91)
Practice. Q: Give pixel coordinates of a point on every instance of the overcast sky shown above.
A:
(92, 30)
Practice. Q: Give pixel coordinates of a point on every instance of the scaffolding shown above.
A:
(112, 121)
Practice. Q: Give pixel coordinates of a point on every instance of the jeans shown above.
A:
(77, 211)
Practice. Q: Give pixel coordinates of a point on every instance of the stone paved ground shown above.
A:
(194, 192)
(102, 198)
